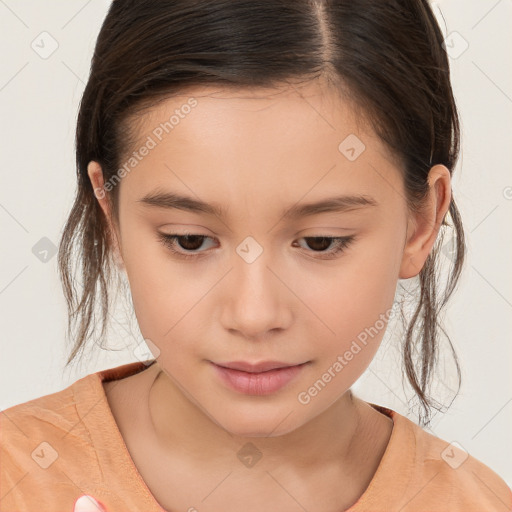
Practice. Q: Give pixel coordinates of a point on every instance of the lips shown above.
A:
(263, 366)
(262, 378)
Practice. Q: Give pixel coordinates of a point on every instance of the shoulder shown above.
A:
(41, 441)
(446, 477)
(56, 447)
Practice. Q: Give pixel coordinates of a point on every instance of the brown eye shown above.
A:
(185, 245)
(321, 244)
(190, 242)
(318, 243)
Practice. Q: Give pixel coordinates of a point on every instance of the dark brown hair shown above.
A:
(388, 57)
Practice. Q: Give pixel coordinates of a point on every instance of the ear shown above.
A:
(423, 227)
(95, 173)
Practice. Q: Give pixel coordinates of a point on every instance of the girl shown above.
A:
(263, 173)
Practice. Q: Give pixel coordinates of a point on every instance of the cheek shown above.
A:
(167, 310)
(352, 300)
(163, 294)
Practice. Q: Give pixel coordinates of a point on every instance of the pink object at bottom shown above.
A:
(87, 503)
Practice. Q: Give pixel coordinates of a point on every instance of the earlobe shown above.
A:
(423, 227)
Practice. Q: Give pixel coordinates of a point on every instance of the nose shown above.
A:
(256, 300)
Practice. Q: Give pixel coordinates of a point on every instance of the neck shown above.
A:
(180, 426)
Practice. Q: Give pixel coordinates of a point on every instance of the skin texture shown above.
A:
(257, 152)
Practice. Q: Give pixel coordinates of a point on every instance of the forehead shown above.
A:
(242, 141)
(315, 106)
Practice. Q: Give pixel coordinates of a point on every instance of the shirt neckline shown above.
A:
(94, 411)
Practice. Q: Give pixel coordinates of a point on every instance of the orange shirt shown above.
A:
(58, 447)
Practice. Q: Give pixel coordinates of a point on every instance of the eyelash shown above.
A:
(169, 241)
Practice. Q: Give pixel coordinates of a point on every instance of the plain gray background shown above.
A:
(39, 95)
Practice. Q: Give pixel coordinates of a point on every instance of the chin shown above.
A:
(254, 432)
(258, 425)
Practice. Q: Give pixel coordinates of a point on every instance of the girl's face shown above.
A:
(252, 285)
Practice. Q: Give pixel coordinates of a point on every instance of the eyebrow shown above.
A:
(340, 204)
